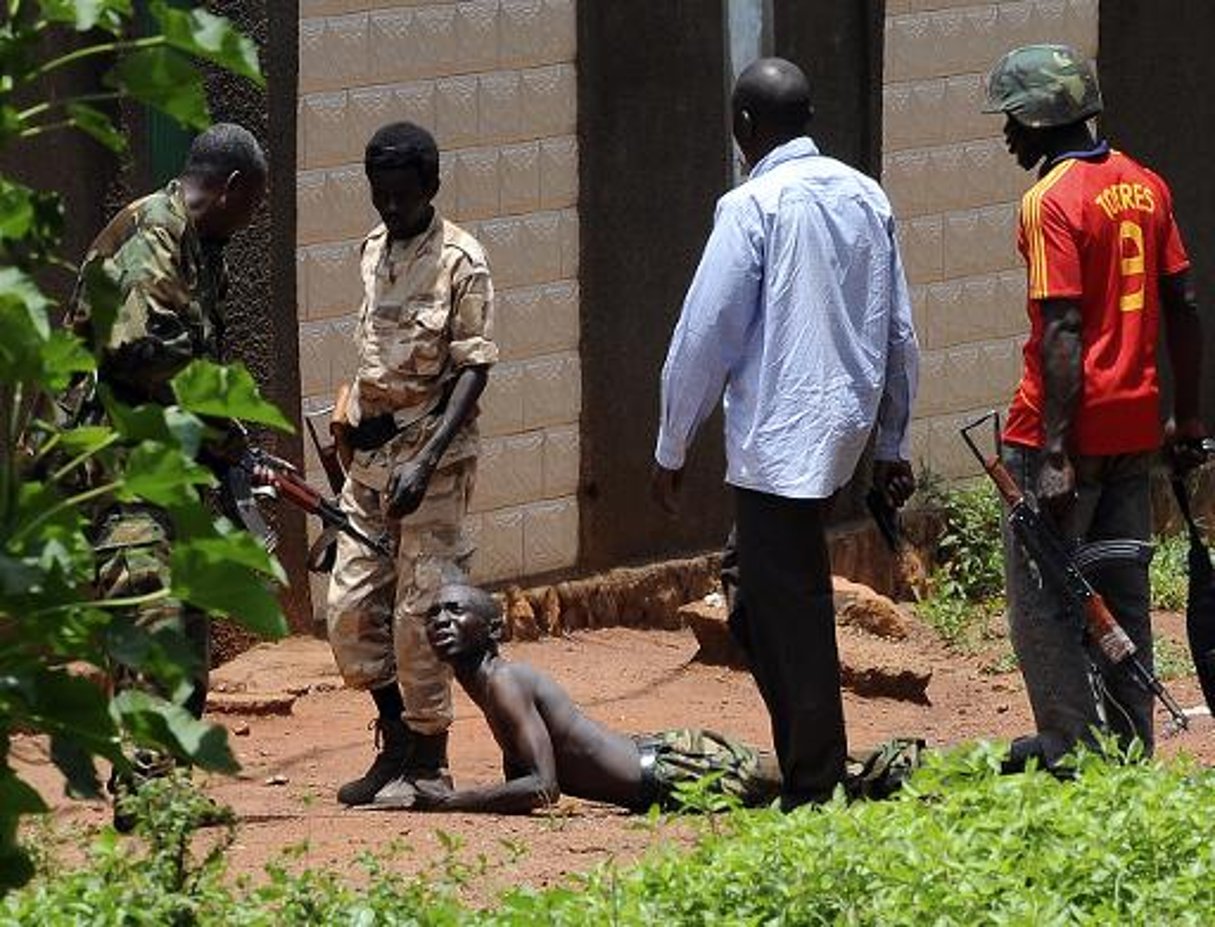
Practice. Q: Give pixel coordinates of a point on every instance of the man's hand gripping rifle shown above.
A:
(1057, 566)
(267, 470)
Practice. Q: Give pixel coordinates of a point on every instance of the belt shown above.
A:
(373, 433)
(650, 790)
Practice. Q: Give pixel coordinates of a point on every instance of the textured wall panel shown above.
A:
(956, 191)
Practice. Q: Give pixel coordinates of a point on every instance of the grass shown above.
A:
(1122, 842)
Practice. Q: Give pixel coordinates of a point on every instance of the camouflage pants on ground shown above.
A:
(377, 607)
(133, 545)
(669, 758)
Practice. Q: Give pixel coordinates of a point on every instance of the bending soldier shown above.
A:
(166, 254)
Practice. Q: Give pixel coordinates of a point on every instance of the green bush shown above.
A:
(1125, 844)
(1169, 574)
(53, 479)
(966, 587)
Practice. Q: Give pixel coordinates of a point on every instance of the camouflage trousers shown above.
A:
(686, 755)
(377, 606)
(132, 545)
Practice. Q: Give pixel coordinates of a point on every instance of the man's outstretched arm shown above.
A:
(524, 737)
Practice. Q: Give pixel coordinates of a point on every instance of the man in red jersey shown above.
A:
(1104, 258)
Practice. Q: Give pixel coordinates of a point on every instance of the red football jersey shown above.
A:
(1099, 230)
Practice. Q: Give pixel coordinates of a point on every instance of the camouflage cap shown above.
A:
(1042, 86)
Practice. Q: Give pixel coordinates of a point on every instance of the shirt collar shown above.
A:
(1096, 153)
(801, 147)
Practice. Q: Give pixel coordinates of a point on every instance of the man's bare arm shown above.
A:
(1183, 335)
(1062, 374)
(524, 737)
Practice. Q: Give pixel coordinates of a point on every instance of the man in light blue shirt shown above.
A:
(799, 309)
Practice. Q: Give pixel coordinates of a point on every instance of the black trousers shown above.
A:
(783, 615)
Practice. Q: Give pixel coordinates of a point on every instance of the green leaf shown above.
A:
(162, 475)
(154, 722)
(163, 654)
(85, 439)
(207, 388)
(64, 355)
(83, 15)
(166, 80)
(165, 424)
(102, 292)
(96, 124)
(17, 796)
(218, 574)
(19, 289)
(16, 209)
(76, 764)
(17, 577)
(11, 123)
(211, 37)
(63, 705)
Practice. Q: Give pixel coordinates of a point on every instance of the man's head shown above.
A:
(463, 622)
(226, 175)
(1044, 91)
(771, 105)
(402, 165)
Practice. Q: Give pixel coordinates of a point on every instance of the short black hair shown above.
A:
(401, 146)
(777, 94)
(225, 147)
(490, 610)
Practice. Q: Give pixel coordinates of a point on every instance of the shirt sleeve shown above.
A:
(893, 440)
(472, 318)
(1052, 255)
(709, 338)
(150, 341)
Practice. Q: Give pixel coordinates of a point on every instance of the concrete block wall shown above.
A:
(495, 81)
(956, 190)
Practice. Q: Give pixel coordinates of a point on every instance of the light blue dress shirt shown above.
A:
(800, 309)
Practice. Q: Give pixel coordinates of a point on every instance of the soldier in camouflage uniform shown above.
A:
(165, 252)
(407, 430)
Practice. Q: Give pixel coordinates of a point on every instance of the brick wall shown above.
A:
(956, 191)
(494, 80)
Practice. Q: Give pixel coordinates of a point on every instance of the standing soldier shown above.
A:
(407, 429)
(1104, 256)
(166, 254)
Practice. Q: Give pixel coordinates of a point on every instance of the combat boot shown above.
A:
(427, 762)
(392, 742)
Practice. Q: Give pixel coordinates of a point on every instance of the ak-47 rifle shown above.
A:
(1057, 567)
(264, 469)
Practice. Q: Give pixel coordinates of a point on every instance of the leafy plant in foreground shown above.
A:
(1123, 842)
(54, 639)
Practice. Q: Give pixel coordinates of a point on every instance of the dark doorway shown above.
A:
(655, 156)
(1155, 67)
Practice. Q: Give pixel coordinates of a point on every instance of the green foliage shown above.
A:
(1124, 842)
(1169, 573)
(55, 478)
(1172, 659)
(966, 587)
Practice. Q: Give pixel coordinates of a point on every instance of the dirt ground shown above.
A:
(632, 680)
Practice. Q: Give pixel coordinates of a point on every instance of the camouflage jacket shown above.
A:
(427, 312)
(171, 289)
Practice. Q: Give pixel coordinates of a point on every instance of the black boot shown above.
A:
(392, 741)
(427, 761)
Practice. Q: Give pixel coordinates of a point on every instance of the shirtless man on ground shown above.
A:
(549, 747)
